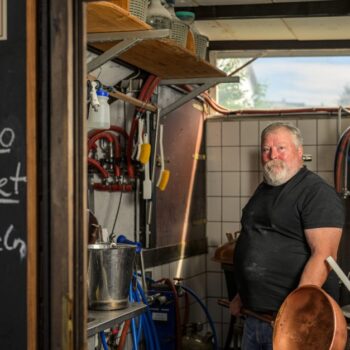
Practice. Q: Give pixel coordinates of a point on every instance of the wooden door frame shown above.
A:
(62, 207)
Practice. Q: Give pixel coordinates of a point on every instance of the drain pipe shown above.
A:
(339, 121)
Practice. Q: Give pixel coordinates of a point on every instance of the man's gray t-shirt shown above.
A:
(272, 250)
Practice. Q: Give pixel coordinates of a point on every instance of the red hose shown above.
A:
(124, 334)
(101, 135)
(94, 136)
(115, 128)
(117, 155)
(98, 166)
(112, 188)
(187, 310)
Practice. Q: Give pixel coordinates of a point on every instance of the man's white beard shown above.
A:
(276, 172)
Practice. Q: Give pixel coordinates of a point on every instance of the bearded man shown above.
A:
(292, 223)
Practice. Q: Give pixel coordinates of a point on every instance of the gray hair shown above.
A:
(298, 138)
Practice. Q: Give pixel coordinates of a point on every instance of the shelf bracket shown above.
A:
(128, 39)
(207, 83)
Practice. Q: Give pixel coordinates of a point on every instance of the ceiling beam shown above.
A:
(228, 45)
(272, 10)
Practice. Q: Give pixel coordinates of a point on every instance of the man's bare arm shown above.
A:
(323, 243)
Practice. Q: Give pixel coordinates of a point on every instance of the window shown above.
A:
(286, 82)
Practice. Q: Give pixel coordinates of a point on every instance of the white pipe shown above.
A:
(339, 272)
(339, 122)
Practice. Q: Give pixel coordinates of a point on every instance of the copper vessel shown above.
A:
(224, 253)
(309, 319)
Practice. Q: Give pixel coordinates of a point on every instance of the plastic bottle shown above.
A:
(100, 118)
(158, 16)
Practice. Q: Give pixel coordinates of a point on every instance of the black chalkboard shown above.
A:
(13, 180)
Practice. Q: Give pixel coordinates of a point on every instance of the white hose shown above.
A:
(339, 272)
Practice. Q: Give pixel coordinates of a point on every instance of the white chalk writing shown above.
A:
(7, 243)
(9, 187)
(7, 136)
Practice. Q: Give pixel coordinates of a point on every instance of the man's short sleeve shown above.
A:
(322, 207)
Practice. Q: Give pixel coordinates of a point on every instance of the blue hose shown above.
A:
(148, 316)
(103, 340)
(137, 299)
(133, 324)
(188, 290)
(146, 323)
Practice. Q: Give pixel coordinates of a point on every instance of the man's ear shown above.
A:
(300, 151)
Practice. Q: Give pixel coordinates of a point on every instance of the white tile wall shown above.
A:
(214, 284)
(250, 158)
(308, 129)
(230, 158)
(249, 182)
(325, 158)
(230, 209)
(327, 131)
(215, 310)
(345, 123)
(213, 230)
(244, 201)
(196, 313)
(213, 134)
(250, 133)
(198, 285)
(214, 184)
(230, 134)
(211, 264)
(213, 158)
(313, 151)
(214, 208)
(230, 183)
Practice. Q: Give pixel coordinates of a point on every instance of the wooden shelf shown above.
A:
(161, 57)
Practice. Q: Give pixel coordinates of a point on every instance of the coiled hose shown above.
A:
(145, 325)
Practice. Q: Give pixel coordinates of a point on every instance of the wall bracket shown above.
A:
(203, 85)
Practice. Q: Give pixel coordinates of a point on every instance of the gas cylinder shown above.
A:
(193, 340)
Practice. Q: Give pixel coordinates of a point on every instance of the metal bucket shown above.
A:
(110, 269)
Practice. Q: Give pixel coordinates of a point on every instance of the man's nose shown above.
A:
(273, 153)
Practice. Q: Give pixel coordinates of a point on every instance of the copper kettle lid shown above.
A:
(224, 253)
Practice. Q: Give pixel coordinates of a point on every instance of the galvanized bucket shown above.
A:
(110, 268)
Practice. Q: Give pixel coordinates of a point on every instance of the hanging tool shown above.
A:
(164, 173)
(147, 183)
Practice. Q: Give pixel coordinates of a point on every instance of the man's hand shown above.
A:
(236, 305)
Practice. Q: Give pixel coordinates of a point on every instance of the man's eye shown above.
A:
(281, 148)
(265, 150)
